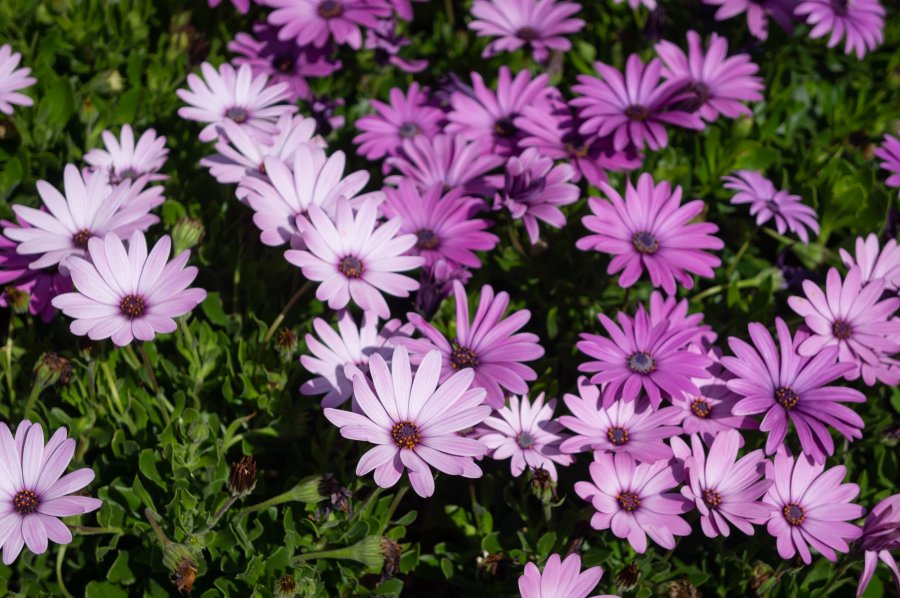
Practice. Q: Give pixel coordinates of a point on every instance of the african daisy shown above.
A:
(540, 24)
(879, 538)
(859, 22)
(766, 203)
(123, 159)
(758, 13)
(560, 579)
(889, 152)
(317, 21)
(13, 80)
(875, 262)
(408, 115)
(447, 160)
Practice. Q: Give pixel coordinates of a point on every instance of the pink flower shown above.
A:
(664, 308)
(875, 263)
(889, 152)
(861, 22)
(126, 160)
(540, 24)
(766, 203)
(758, 12)
(447, 160)
(407, 116)
(560, 579)
(879, 537)
(16, 277)
(13, 80)
(317, 21)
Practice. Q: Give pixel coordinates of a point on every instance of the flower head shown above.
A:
(540, 24)
(407, 116)
(123, 159)
(758, 13)
(881, 535)
(662, 308)
(766, 203)
(875, 262)
(386, 42)
(860, 22)
(559, 579)
(317, 21)
(447, 160)
(13, 80)
(22, 288)
(889, 152)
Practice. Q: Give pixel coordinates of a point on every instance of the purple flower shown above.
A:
(540, 24)
(791, 387)
(811, 507)
(632, 500)
(386, 43)
(861, 22)
(16, 277)
(852, 317)
(635, 4)
(413, 421)
(34, 490)
(651, 230)
(436, 284)
(282, 61)
(532, 188)
(325, 112)
(619, 428)
(316, 21)
(889, 152)
(127, 296)
(527, 433)
(881, 535)
(664, 308)
(447, 160)
(634, 108)
(488, 117)
(236, 95)
(12, 80)
(875, 263)
(758, 12)
(352, 258)
(638, 355)
(725, 489)
(767, 203)
(242, 5)
(560, 579)
(489, 344)
(350, 345)
(407, 116)
(442, 223)
(718, 83)
(125, 160)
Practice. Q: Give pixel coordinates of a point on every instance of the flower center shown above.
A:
(25, 502)
(408, 130)
(640, 362)
(463, 357)
(794, 513)
(645, 242)
(638, 113)
(773, 206)
(628, 501)
(330, 9)
(841, 329)
(132, 306)
(617, 435)
(405, 434)
(237, 114)
(527, 34)
(701, 408)
(787, 397)
(283, 63)
(712, 498)
(839, 6)
(504, 127)
(427, 239)
(525, 440)
(351, 266)
(701, 92)
(578, 150)
(80, 239)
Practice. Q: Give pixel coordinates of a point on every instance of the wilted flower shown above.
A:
(242, 479)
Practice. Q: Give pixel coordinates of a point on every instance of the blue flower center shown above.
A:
(617, 435)
(237, 114)
(794, 513)
(640, 362)
(330, 9)
(645, 242)
(787, 397)
(701, 408)
(841, 329)
(462, 357)
(351, 266)
(525, 440)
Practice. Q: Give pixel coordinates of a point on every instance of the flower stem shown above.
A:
(94, 531)
(8, 350)
(60, 559)
(451, 16)
(337, 553)
(284, 312)
(288, 496)
(837, 575)
(32, 398)
(160, 535)
(146, 359)
(218, 515)
(392, 508)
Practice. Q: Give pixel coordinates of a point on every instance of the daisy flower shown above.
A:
(758, 13)
(663, 308)
(36, 492)
(413, 421)
(317, 21)
(811, 507)
(560, 579)
(386, 43)
(766, 203)
(235, 95)
(526, 433)
(489, 345)
(540, 24)
(354, 259)
(21, 287)
(13, 80)
(879, 538)
(447, 160)
(860, 22)
(129, 295)
(408, 115)
(122, 159)
(875, 262)
(650, 230)
(631, 499)
(635, 4)
(889, 152)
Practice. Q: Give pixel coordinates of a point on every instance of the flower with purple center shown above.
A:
(766, 203)
(811, 507)
(560, 579)
(532, 189)
(442, 222)
(859, 22)
(128, 295)
(632, 500)
(880, 535)
(875, 262)
(717, 83)
(634, 108)
(408, 115)
(791, 388)
(758, 13)
(650, 230)
(21, 287)
(123, 159)
(317, 21)
(236, 95)
(489, 345)
(539, 24)
(889, 152)
(353, 258)
(35, 491)
(853, 318)
(526, 433)
(13, 80)
(413, 421)
(447, 160)
(624, 427)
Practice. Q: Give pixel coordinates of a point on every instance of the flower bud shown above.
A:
(542, 485)
(17, 299)
(286, 587)
(186, 234)
(179, 559)
(286, 341)
(392, 551)
(628, 576)
(368, 552)
(242, 480)
(50, 369)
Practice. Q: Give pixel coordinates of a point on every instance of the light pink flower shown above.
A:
(13, 80)
(123, 159)
(560, 579)
(875, 262)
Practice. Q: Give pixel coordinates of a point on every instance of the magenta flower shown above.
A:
(236, 95)
(853, 318)
(24, 288)
(532, 189)
(560, 579)
(447, 160)
(767, 203)
(860, 22)
(718, 83)
(13, 80)
(127, 296)
(650, 230)
(634, 109)
(414, 421)
(88, 209)
(879, 537)
(540, 24)
(407, 116)
(726, 489)
(619, 428)
(489, 344)
(316, 21)
(386, 43)
(791, 387)
(34, 490)
(889, 152)
(635, 4)
(442, 223)
(354, 259)
(632, 500)
(350, 345)
(875, 262)
(527, 434)
(811, 507)
(664, 308)
(242, 5)
(122, 159)
(758, 13)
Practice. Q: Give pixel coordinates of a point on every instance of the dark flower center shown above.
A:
(578, 150)
(125, 174)
(408, 130)
(699, 93)
(504, 127)
(712, 498)
(262, 168)
(638, 113)
(237, 114)
(25, 502)
(841, 329)
(839, 6)
(427, 239)
(80, 239)
(527, 34)
(645, 242)
(640, 362)
(701, 408)
(132, 306)
(462, 357)
(617, 435)
(773, 206)
(525, 440)
(330, 9)
(405, 434)
(629, 501)
(283, 63)
(794, 513)
(787, 397)
(351, 266)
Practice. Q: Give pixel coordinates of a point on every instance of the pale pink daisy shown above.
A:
(859, 22)
(408, 115)
(540, 24)
(447, 160)
(889, 152)
(123, 159)
(560, 579)
(13, 80)
(318, 21)
(875, 262)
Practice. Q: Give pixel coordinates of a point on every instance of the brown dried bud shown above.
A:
(286, 341)
(542, 485)
(51, 368)
(496, 564)
(337, 496)
(286, 587)
(17, 299)
(178, 558)
(682, 588)
(242, 480)
(628, 577)
(392, 553)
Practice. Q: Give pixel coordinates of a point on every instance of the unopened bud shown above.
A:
(286, 587)
(368, 552)
(186, 234)
(286, 341)
(17, 299)
(50, 369)
(392, 552)
(542, 485)
(628, 576)
(242, 480)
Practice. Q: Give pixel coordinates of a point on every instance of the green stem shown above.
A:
(146, 359)
(837, 575)
(451, 15)
(8, 350)
(475, 506)
(288, 496)
(32, 398)
(160, 535)
(218, 515)
(392, 509)
(284, 312)
(336, 553)
(60, 559)
(94, 531)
